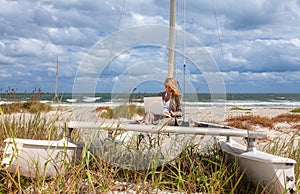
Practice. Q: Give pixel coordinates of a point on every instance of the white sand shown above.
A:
(205, 114)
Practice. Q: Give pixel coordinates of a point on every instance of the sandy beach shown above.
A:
(217, 115)
(203, 114)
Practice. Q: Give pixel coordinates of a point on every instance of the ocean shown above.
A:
(268, 100)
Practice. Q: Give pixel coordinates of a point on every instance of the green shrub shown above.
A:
(296, 110)
(31, 107)
(122, 111)
(238, 108)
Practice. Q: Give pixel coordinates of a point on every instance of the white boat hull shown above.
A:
(277, 173)
(37, 158)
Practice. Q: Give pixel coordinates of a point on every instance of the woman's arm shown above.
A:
(176, 107)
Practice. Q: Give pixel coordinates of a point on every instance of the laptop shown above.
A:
(154, 105)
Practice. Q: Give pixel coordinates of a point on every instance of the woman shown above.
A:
(172, 106)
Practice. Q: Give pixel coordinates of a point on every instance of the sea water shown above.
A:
(267, 100)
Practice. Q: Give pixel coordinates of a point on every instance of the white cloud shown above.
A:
(67, 36)
(28, 46)
(139, 19)
(5, 75)
(233, 59)
(270, 42)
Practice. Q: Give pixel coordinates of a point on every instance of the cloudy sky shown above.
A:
(118, 45)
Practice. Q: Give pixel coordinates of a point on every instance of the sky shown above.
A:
(232, 46)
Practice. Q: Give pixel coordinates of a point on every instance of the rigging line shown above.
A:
(122, 9)
(184, 30)
(117, 29)
(184, 57)
(218, 32)
(218, 29)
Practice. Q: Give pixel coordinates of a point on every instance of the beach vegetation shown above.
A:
(287, 146)
(29, 106)
(288, 118)
(121, 111)
(251, 121)
(191, 171)
(296, 126)
(104, 112)
(296, 110)
(33, 105)
(239, 108)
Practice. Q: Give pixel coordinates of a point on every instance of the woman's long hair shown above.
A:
(172, 83)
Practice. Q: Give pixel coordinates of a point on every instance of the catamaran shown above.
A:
(276, 171)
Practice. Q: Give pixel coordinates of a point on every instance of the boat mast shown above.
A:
(56, 77)
(171, 68)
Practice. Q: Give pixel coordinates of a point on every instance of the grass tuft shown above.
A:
(122, 111)
(31, 107)
(296, 110)
(250, 121)
(238, 108)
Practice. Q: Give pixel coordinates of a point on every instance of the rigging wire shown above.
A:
(117, 28)
(121, 15)
(220, 42)
(218, 28)
(184, 30)
(219, 37)
(184, 57)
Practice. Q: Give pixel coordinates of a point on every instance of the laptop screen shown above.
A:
(153, 105)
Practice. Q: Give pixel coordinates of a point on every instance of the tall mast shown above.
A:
(171, 68)
(56, 76)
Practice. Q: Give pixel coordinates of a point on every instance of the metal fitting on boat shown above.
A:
(251, 145)
(289, 178)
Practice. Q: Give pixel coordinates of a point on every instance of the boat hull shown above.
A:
(37, 158)
(277, 173)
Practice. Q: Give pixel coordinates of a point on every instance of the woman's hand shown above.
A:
(167, 114)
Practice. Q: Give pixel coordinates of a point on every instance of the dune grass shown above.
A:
(239, 108)
(30, 106)
(122, 111)
(33, 105)
(191, 171)
(296, 110)
(250, 121)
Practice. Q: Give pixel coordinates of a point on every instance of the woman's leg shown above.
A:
(167, 121)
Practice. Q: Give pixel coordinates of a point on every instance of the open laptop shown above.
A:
(154, 105)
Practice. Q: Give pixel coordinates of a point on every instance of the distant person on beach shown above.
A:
(171, 99)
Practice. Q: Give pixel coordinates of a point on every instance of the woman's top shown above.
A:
(166, 104)
(175, 105)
